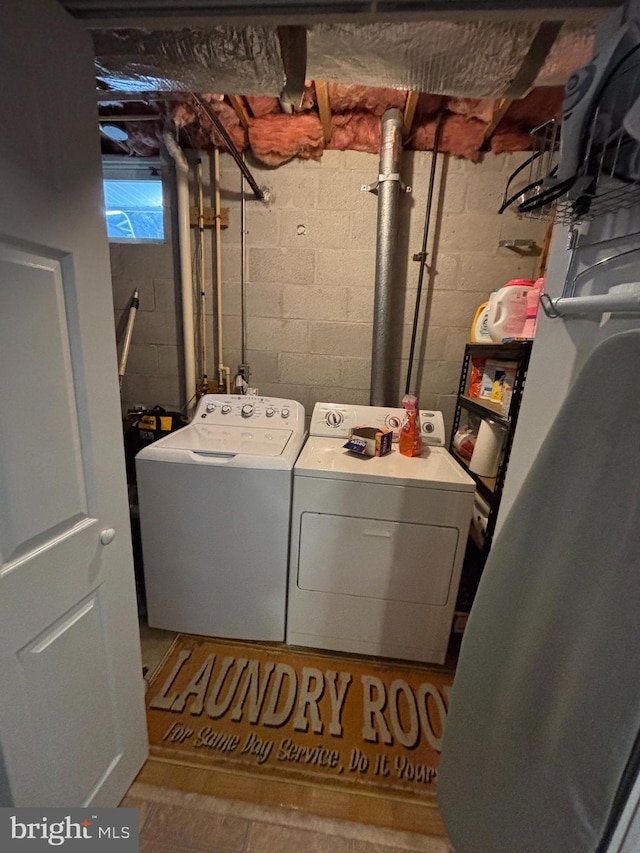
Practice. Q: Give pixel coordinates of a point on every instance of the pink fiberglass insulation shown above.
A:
(275, 139)
(513, 132)
(355, 131)
(145, 137)
(197, 136)
(460, 136)
(343, 98)
(232, 125)
(539, 106)
(201, 132)
(508, 141)
(480, 108)
(428, 107)
(263, 105)
(308, 97)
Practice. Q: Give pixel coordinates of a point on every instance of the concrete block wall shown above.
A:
(154, 368)
(311, 267)
(310, 280)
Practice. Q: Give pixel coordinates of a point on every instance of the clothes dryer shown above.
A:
(376, 543)
(215, 504)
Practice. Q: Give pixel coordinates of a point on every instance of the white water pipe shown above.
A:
(186, 270)
(201, 279)
(224, 372)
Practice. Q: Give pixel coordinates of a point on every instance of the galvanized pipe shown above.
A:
(383, 392)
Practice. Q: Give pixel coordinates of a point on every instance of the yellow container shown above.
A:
(479, 330)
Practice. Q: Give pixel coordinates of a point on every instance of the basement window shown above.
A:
(133, 200)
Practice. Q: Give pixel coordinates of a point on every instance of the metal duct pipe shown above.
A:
(186, 270)
(383, 392)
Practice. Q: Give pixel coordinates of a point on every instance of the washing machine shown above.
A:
(377, 543)
(215, 508)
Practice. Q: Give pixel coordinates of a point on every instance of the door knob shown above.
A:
(107, 535)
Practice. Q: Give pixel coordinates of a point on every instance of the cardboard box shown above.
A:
(496, 375)
(369, 441)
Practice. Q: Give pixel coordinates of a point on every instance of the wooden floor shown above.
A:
(375, 809)
(176, 820)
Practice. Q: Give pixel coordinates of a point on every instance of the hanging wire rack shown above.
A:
(612, 158)
(608, 177)
(544, 161)
(531, 179)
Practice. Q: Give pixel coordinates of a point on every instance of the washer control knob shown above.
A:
(270, 412)
(394, 421)
(225, 409)
(211, 407)
(428, 427)
(334, 418)
(247, 410)
(285, 413)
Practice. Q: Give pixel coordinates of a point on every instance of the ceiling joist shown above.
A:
(240, 106)
(324, 108)
(499, 109)
(409, 114)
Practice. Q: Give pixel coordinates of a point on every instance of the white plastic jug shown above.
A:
(507, 309)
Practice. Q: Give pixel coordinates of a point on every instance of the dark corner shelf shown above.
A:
(486, 485)
(517, 352)
(485, 408)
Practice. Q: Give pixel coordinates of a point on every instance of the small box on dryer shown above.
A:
(369, 441)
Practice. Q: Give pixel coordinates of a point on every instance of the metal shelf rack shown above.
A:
(489, 488)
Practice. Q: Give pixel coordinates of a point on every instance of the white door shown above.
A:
(72, 726)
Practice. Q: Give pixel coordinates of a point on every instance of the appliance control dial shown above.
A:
(285, 413)
(270, 412)
(247, 410)
(428, 427)
(394, 422)
(334, 418)
(211, 407)
(226, 409)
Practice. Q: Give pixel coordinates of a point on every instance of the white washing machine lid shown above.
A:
(204, 440)
(435, 469)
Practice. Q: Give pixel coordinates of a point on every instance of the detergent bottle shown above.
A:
(507, 309)
(533, 303)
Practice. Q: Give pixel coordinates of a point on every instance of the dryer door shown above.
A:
(388, 560)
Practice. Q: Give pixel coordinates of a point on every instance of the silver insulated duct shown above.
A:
(383, 390)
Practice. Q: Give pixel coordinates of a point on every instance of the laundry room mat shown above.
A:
(314, 716)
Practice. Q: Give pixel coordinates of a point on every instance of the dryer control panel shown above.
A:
(333, 420)
(236, 410)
